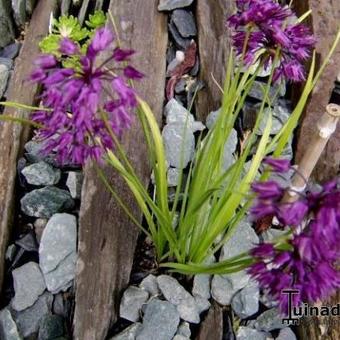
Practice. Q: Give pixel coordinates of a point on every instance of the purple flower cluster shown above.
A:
(308, 260)
(265, 25)
(85, 100)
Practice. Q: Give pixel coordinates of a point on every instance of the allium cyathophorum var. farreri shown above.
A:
(264, 26)
(309, 260)
(81, 99)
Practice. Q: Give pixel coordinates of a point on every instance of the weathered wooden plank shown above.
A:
(107, 238)
(325, 23)
(214, 49)
(212, 326)
(13, 136)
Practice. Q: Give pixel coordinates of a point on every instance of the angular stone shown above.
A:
(160, 321)
(8, 328)
(4, 74)
(6, 26)
(179, 143)
(10, 252)
(29, 284)
(178, 296)
(51, 327)
(173, 176)
(258, 88)
(59, 239)
(201, 283)
(11, 51)
(28, 321)
(74, 183)
(128, 333)
(35, 154)
(169, 5)
(41, 174)
(184, 22)
(184, 329)
(46, 201)
(177, 38)
(180, 337)
(57, 252)
(28, 242)
(211, 119)
(246, 301)
(19, 9)
(7, 62)
(61, 279)
(269, 320)
(223, 287)
(131, 304)
(286, 334)
(246, 333)
(150, 284)
(202, 304)
(175, 113)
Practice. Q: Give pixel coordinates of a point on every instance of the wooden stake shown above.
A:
(324, 130)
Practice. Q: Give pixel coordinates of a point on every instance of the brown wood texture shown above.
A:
(212, 326)
(214, 48)
(107, 238)
(325, 23)
(13, 136)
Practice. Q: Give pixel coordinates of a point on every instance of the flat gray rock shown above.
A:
(41, 174)
(269, 320)
(4, 74)
(286, 334)
(201, 283)
(57, 252)
(59, 239)
(246, 301)
(19, 9)
(28, 321)
(246, 333)
(150, 284)
(223, 287)
(179, 143)
(61, 279)
(185, 23)
(173, 176)
(74, 183)
(46, 201)
(8, 328)
(184, 329)
(258, 88)
(51, 327)
(29, 284)
(131, 303)
(169, 5)
(128, 333)
(6, 26)
(160, 321)
(178, 296)
(180, 42)
(178, 114)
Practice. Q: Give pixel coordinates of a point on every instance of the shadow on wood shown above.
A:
(13, 136)
(107, 238)
(214, 47)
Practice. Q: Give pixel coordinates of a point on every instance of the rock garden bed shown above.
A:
(75, 266)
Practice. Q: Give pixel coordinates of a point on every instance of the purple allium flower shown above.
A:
(87, 103)
(265, 26)
(309, 260)
(278, 165)
(267, 190)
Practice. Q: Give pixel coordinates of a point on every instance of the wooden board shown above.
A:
(212, 326)
(214, 48)
(107, 238)
(13, 136)
(325, 23)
